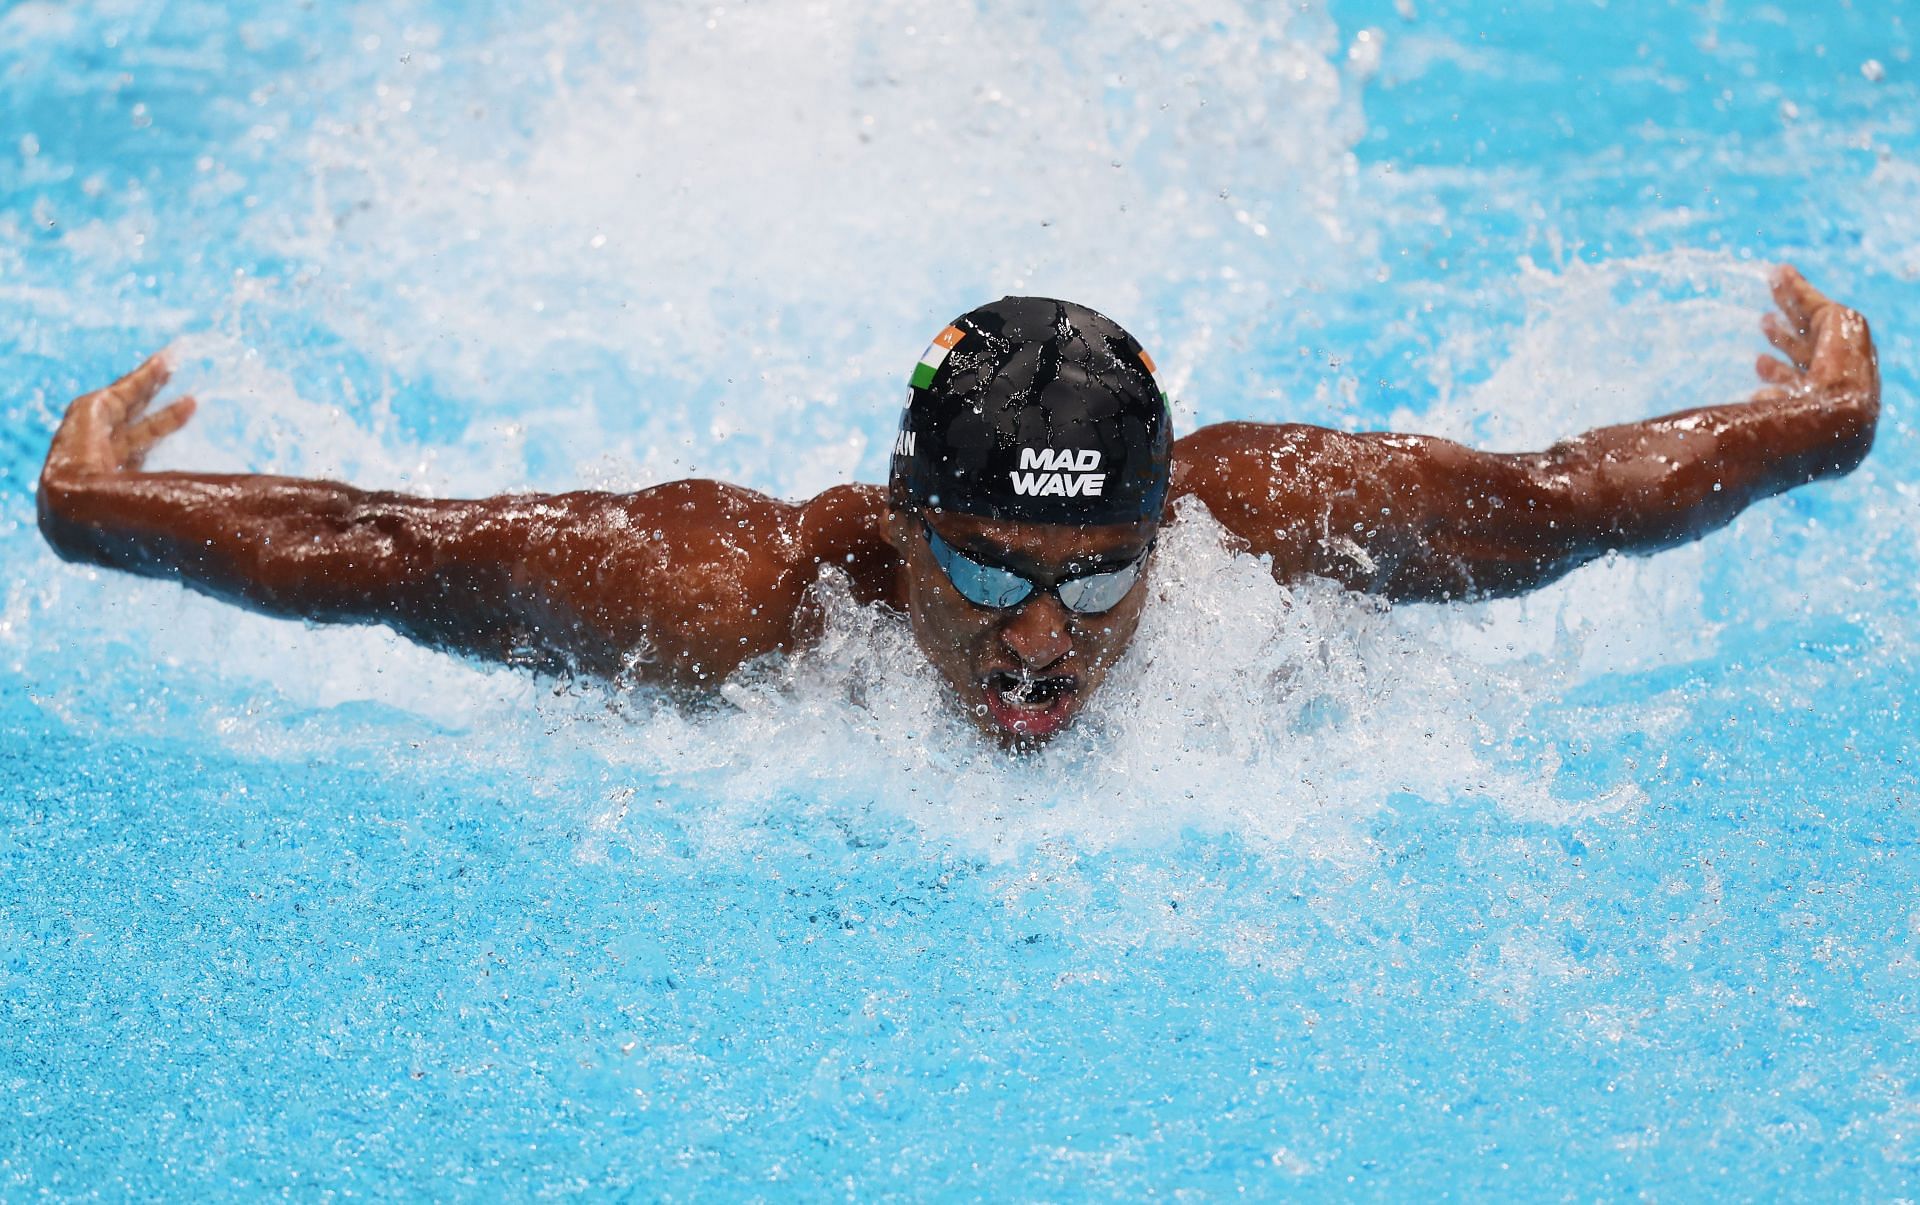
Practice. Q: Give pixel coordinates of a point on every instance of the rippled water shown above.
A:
(1604, 891)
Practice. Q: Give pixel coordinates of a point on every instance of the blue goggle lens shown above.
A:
(997, 589)
(1097, 592)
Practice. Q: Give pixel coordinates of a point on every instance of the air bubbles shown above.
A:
(1363, 54)
(1873, 71)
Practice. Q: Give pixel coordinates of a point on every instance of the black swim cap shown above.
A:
(1038, 411)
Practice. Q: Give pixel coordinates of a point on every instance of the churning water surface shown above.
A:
(1609, 890)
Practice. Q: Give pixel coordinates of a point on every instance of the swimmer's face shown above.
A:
(1022, 673)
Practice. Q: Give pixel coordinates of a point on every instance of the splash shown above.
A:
(1285, 716)
(710, 244)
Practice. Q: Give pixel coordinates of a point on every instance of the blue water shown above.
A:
(1608, 891)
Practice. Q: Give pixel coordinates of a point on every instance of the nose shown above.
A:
(1037, 633)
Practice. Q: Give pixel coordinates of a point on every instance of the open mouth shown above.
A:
(1030, 706)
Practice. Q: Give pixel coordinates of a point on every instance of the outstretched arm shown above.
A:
(694, 577)
(1413, 517)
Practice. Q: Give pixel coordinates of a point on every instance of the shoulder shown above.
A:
(703, 535)
(1302, 494)
(701, 500)
(699, 518)
(859, 505)
(1232, 465)
(846, 526)
(1239, 456)
(1224, 443)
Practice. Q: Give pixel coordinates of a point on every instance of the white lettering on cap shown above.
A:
(1058, 473)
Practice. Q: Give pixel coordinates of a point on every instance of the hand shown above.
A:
(108, 431)
(1828, 348)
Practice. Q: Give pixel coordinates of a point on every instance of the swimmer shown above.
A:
(1034, 465)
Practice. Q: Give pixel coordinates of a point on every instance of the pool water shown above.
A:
(1607, 891)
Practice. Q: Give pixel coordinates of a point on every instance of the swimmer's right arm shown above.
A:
(679, 584)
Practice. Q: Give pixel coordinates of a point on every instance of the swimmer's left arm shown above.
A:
(1418, 518)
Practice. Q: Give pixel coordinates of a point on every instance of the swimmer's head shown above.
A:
(1038, 411)
(1029, 478)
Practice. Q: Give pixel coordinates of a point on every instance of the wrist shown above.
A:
(62, 503)
(1858, 417)
(54, 503)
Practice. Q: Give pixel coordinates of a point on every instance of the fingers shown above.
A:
(1796, 344)
(103, 431)
(1779, 372)
(1828, 343)
(129, 395)
(135, 441)
(1792, 330)
(1797, 299)
(161, 423)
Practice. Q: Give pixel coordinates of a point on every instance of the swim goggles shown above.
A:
(1000, 589)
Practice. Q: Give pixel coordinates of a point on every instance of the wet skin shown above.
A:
(681, 584)
(985, 654)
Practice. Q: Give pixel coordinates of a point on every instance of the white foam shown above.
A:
(692, 249)
(1286, 716)
(746, 223)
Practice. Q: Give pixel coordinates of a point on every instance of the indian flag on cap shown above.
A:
(1155, 374)
(936, 353)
